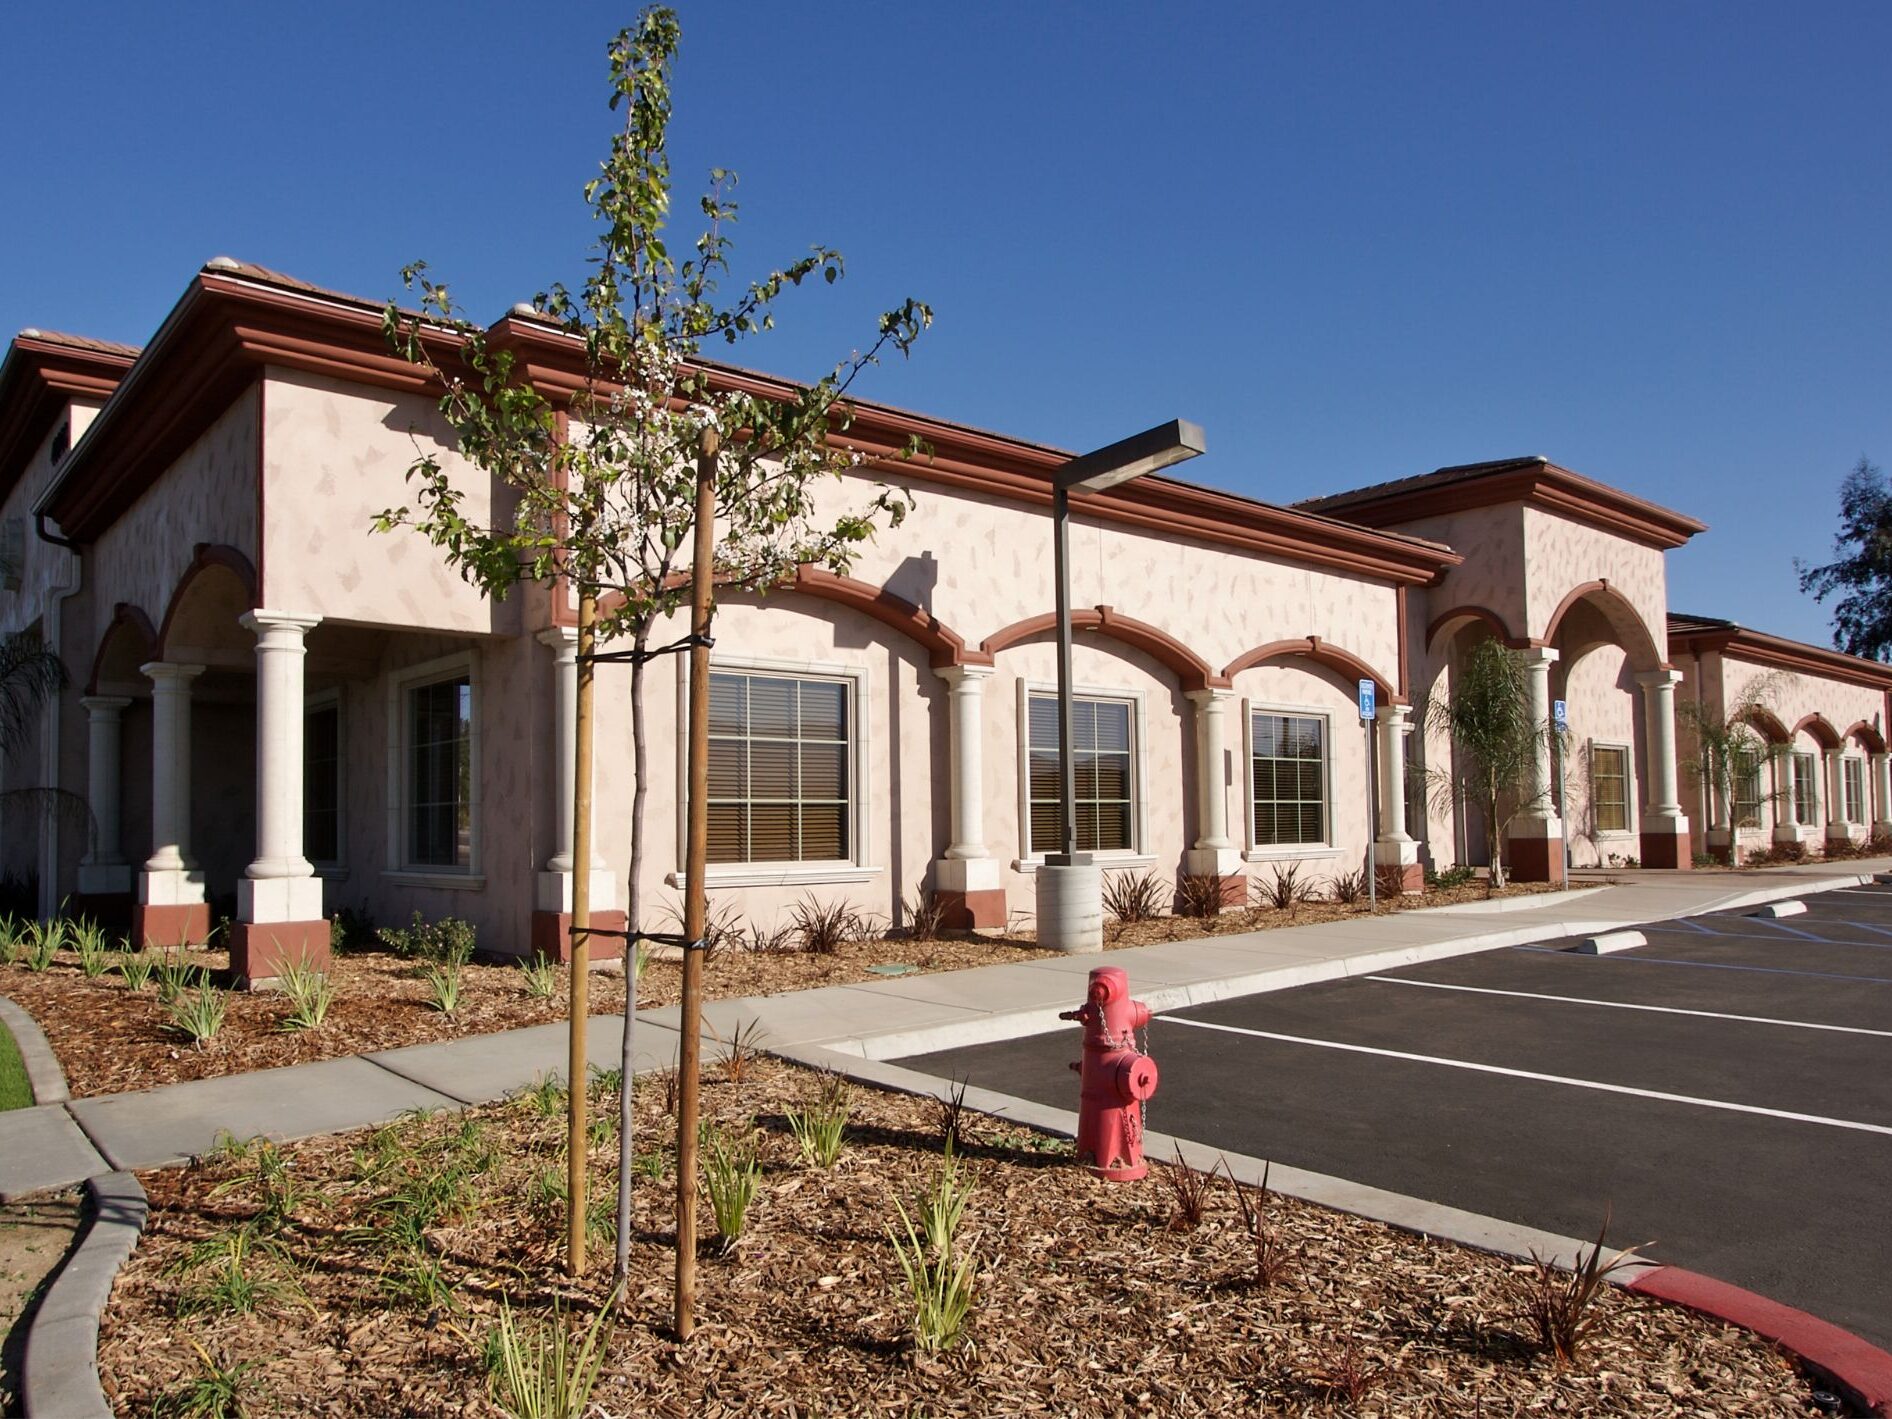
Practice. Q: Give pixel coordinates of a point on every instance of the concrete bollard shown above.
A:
(1071, 907)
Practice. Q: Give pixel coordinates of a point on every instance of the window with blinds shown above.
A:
(1806, 792)
(1102, 743)
(1747, 792)
(322, 784)
(1609, 787)
(1288, 778)
(780, 776)
(440, 773)
(1853, 776)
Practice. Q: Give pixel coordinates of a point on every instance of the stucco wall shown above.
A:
(1605, 707)
(1562, 554)
(1491, 540)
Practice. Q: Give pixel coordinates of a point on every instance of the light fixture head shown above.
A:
(1156, 448)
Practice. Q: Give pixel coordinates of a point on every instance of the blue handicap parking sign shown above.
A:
(1366, 699)
(1560, 714)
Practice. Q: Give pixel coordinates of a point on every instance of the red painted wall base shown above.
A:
(1411, 875)
(1537, 860)
(188, 924)
(260, 949)
(973, 911)
(552, 936)
(111, 910)
(1667, 850)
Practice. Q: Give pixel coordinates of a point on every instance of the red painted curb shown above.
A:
(1864, 1371)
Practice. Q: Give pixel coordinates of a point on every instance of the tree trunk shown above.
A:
(1494, 842)
(633, 923)
(576, 1073)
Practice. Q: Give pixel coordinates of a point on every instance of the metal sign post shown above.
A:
(1367, 710)
(1560, 718)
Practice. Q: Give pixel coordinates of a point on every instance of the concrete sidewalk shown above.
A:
(55, 1145)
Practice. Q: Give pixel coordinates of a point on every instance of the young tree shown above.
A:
(1862, 618)
(1727, 747)
(606, 489)
(1484, 722)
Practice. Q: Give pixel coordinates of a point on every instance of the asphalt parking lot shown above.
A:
(1725, 1090)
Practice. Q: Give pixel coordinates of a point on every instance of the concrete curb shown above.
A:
(43, 1074)
(1862, 1371)
(61, 1369)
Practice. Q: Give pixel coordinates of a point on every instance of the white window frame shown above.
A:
(336, 867)
(1817, 804)
(1762, 799)
(1139, 856)
(400, 684)
(1852, 806)
(1253, 851)
(1628, 752)
(858, 681)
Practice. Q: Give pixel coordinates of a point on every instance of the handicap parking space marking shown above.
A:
(1627, 1005)
(1533, 1076)
(1630, 957)
(1674, 929)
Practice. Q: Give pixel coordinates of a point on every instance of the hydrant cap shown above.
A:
(1136, 1078)
(1108, 984)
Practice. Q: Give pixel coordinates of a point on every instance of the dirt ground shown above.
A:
(110, 1039)
(376, 1265)
(35, 1235)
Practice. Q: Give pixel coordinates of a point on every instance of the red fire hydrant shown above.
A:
(1117, 1077)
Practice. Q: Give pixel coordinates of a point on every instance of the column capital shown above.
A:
(1393, 716)
(561, 638)
(1658, 679)
(104, 706)
(261, 620)
(964, 674)
(1536, 655)
(1213, 695)
(164, 672)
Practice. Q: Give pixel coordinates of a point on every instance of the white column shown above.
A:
(555, 881)
(1396, 847)
(170, 876)
(1882, 793)
(967, 865)
(1541, 808)
(1662, 815)
(104, 869)
(279, 885)
(1214, 853)
(1833, 773)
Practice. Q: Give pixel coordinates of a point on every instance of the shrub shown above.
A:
(1458, 875)
(821, 1128)
(1189, 1192)
(822, 929)
(732, 1174)
(1347, 1375)
(542, 975)
(88, 939)
(939, 1275)
(744, 1045)
(1199, 894)
(546, 1371)
(443, 986)
(11, 933)
(310, 993)
(1271, 1255)
(953, 1117)
(1347, 888)
(216, 1392)
(1133, 896)
(1287, 889)
(135, 968)
(925, 914)
(447, 942)
(41, 943)
(197, 1015)
(1777, 854)
(1558, 1304)
(352, 928)
(176, 975)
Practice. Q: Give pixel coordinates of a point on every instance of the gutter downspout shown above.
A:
(58, 593)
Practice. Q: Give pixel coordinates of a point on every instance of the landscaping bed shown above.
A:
(373, 1267)
(110, 1037)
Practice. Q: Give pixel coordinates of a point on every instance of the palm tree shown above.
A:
(1728, 748)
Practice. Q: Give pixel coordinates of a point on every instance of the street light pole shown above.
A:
(1070, 906)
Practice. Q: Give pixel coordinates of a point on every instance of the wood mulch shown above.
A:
(1087, 1299)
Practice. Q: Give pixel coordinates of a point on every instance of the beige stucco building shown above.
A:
(275, 712)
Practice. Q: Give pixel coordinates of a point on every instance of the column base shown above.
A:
(1535, 848)
(1719, 844)
(1396, 867)
(969, 890)
(1224, 863)
(174, 924)
(1667, 844)
(260, 949)
(552, 936)
(1071, 907)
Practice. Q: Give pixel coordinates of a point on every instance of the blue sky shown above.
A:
(1354, 242)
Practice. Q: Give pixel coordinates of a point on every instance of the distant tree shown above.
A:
(1483, 716)
(1862, 619)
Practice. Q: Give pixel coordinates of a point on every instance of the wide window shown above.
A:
(1747, 792)
(1288, 778)
(1103, 747)
(322, 784)
(439, 808)
(1853, 776)
(780, 780)
(1609, 787)
(1806, 792)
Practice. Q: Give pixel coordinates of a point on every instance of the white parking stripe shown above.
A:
(1625, 1005)
(1539, 1078)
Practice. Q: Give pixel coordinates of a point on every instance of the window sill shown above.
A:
(799, 874)
(1313, 852)
(1110, 861)
(448, 881)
